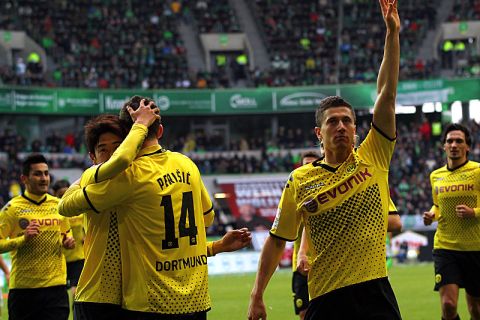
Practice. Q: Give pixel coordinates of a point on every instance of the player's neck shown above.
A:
(336, 158)
(150, 142)
(453, 164)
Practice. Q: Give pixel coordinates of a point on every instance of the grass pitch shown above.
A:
(412, 284)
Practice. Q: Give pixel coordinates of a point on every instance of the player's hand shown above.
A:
(464, 211)
(32, 230)
(303, 266)
(390, 14)
(428, 218)
(145, 114)
(256, 309)
(233, 240)
(69, 243)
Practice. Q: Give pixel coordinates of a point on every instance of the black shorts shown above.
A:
(134, 315)
(39, 303)
(98, 311)
(74, 269)
(300, 292)
(107, 311)
(457, 267)
(373, 299)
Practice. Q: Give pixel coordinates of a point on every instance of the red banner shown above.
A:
(263, 196)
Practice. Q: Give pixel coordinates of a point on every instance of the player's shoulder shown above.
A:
(7, 206)
(439, 171)
(50, 198)
(473, 164)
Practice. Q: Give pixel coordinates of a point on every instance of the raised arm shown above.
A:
(384, 110)
(143, 117)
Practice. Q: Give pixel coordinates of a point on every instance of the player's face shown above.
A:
(107, 144)
(455, 145)
(308, 160)
(38, 179)
(338, 129)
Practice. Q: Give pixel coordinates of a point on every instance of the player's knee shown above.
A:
(449, 307)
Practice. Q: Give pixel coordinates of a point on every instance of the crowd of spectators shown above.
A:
(136, 44)
(418, 151)
(98, 44)
(212, 16)
(303, 39)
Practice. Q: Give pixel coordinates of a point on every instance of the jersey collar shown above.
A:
(34, 198)
(150, 150)
(463, 164)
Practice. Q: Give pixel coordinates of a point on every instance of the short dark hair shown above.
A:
(59, 184)
(459, 127)
(34, 158)
(331, 102)
(127, 120)
(102, 124)
(310, 153)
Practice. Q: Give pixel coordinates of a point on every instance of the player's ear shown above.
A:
(160, 132)
(318, 133)
(92, 156)
(23, 179)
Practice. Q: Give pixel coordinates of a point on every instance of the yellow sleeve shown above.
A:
(6, 226)
(287, 221)
(377, 148)
(391, 206)
(73, 202)
(207, 205)
(124, 155)
(435, 209)
(210, 252)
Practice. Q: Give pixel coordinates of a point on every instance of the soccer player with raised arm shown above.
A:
(33, 231)
(456, 207)
(343, 204)
(162, 207)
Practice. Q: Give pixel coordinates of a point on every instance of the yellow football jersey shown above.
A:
(345, 211)
(100, 280)
(163, 208)
(39, 262)
(449, 189)
(298, 241)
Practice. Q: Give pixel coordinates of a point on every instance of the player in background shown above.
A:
(344, 205)
(75, 257)
(456, 207)
(33, 231)
(231, 241)
(299, 277)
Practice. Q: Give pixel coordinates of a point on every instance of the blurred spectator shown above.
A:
(249, 219)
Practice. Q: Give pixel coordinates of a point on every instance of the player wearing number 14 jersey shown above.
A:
(162, 207)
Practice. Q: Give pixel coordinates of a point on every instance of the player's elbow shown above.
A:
(64, 210)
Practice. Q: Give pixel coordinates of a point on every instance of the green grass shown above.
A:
(413, 286)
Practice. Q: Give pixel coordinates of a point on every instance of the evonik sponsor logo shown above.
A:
(344, 187)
